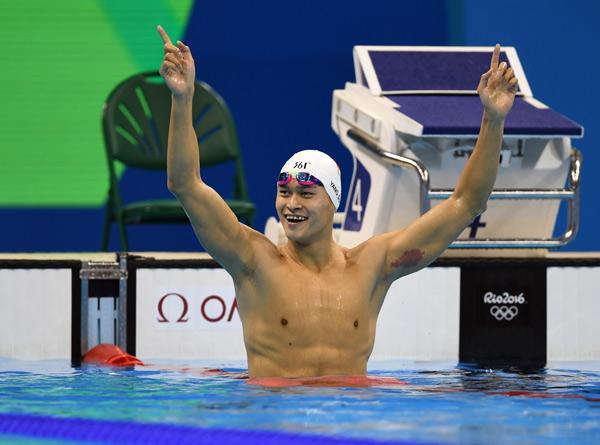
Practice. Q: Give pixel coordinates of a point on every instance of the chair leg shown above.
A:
(106, 232)
(122, 235)
(250, 219)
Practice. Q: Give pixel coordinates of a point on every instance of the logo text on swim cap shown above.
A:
(335, 190)
(299, 164)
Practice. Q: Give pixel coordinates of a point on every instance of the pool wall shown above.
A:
(182, 306)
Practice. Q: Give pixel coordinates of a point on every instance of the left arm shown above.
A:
(426, 238)
(497, 90)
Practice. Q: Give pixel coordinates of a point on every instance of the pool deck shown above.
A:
(166, 256)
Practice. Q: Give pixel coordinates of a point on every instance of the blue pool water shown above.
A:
(51, 402)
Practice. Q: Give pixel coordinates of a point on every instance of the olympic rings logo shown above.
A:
(504, 312)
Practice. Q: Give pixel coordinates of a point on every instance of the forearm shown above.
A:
(183, 163)
(479, 175)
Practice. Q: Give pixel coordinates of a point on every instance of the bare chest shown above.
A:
(324, 302)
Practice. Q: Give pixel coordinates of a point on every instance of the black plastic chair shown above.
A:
(136, 126)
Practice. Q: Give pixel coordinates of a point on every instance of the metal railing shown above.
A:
(427, 194)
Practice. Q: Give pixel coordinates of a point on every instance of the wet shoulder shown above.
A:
(370, 252)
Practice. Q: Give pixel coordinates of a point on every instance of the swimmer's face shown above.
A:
(306, 212)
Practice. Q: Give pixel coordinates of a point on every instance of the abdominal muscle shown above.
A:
(317, 361)
(295, 350)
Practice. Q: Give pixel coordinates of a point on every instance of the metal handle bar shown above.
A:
(427, 194)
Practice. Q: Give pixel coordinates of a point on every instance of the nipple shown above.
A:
(284, 321)
(355, 323)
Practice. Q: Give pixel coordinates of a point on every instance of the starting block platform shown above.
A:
(411, 120)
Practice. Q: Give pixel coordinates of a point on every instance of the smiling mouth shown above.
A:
(294, 219)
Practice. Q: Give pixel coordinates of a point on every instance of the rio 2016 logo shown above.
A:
(504, 305)
(504, 312)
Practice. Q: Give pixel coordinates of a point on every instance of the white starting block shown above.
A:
(417, 108)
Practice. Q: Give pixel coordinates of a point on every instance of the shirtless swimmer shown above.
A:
(310, 307)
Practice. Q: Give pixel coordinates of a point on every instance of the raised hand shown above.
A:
(178, 67)
(498, 87)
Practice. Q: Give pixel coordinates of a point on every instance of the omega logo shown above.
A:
(163, 319)
(223, 309)
(213, 309)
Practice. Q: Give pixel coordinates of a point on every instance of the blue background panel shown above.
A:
(276, 64)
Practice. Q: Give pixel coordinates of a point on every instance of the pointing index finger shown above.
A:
(495, 57)
(163, 35)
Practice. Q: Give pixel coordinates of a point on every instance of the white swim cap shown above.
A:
(322, 167)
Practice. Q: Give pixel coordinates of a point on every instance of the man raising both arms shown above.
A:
(310, 307)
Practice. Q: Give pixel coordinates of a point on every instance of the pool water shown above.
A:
(442, 403)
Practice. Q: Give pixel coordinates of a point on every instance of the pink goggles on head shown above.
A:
(303, 178)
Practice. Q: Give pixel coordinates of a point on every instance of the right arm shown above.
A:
(216, 226)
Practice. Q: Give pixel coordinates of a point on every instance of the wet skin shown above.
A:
(309, 308)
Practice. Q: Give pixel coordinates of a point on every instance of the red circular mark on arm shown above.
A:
(410, 258)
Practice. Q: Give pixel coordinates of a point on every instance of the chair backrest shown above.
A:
(136, 126)
(136, 123)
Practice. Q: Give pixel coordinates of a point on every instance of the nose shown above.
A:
(294, 202)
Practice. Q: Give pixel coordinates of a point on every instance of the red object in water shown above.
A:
(111, 355)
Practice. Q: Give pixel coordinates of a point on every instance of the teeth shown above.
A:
(295, 218)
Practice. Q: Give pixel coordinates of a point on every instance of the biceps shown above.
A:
(215, 225)
(205, 207)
